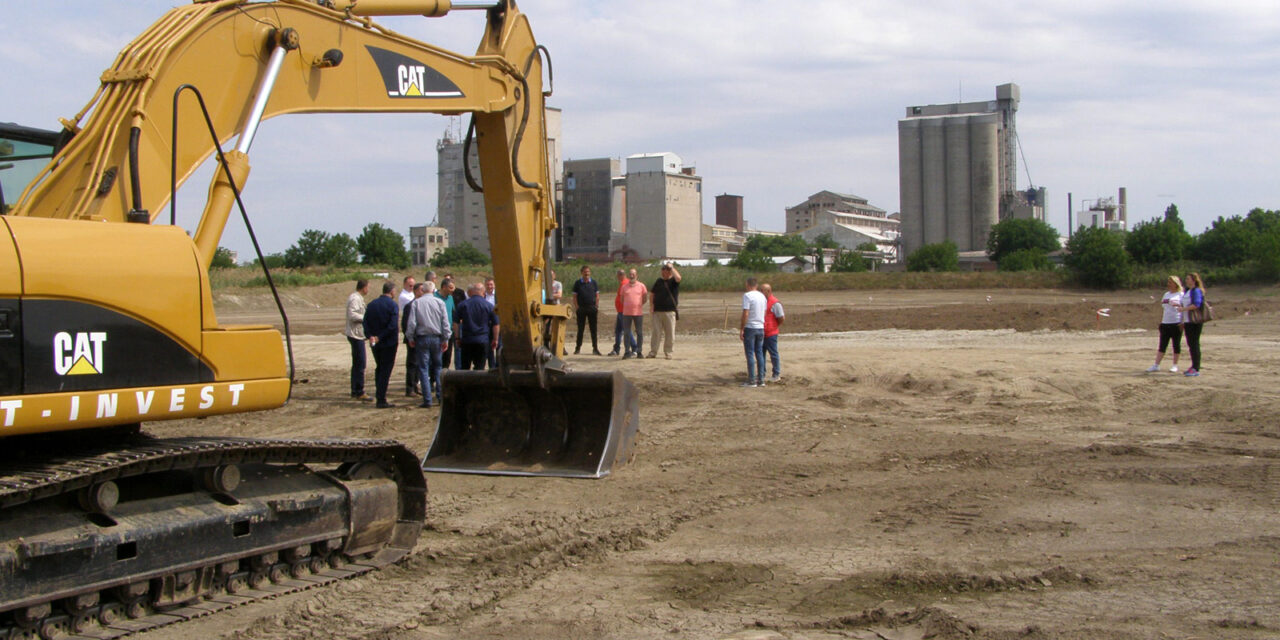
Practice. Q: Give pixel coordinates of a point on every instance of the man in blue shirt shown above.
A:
(381, 327)
(445, 293)
(476, 325)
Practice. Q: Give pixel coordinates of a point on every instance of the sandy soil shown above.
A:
(933, 465)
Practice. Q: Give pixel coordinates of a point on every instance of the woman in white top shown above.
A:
(1170, 324)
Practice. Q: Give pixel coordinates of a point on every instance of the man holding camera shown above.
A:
(664, 298)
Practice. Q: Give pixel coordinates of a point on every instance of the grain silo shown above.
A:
(957, 170)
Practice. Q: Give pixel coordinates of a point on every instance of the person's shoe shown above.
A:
(1191, 373)
(667, 356)
(776, 378)
(1173, 369)
(385, 405)
(626, 355)
(749, 383)
(1153, 368)
(425, 405)
(612, 353)
(652, 355)
(576, 350)
(596, 352)
(362, 397)
(760, 382)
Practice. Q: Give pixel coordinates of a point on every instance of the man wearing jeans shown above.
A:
(429, 332)
(773, 317)
(617, 304)
(634, 297)
(751, 332)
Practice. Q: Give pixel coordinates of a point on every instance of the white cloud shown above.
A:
(775, 101)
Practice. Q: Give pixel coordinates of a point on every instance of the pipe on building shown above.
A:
(984, 173)
(959, 214)
(934, 179)
(910, 194)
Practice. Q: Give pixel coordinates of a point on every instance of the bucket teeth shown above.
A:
(582, 425)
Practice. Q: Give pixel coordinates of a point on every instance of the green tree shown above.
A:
(380, 245)
(1159, 241)
(850, 262)
(340, 250)
(1097, 258)
(868, 246)
(1225, 243)
(1266, 251)
(712, 262)
(785, 245)
(1025, 260)
(1016, 234)
(459, 255)
(222, 259)
(273, 260)
(939, 256)
(754, 261)
(307, 251)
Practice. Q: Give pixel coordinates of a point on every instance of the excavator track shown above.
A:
(106, 540)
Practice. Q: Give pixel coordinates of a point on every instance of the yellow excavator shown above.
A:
(107, 321)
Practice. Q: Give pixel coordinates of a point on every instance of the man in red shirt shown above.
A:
(773, 317)
(617, 304)
(634, 295)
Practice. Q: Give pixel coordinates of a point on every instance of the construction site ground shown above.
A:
(933, 464)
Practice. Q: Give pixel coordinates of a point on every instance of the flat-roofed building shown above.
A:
(425, 241)
(663, 207)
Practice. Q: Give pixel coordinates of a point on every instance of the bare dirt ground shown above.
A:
(933, 465)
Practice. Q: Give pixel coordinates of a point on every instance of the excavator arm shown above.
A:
(164, 107)
(107, 320)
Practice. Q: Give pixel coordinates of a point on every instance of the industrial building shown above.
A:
(589, 219)
(663, 207)
(425, 241)
(461, 210)
(957, 172)
(1105, 212)
(848, 219)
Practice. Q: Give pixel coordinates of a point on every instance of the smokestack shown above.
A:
(1124, 211)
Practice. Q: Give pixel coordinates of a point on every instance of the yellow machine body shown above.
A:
(109, 312)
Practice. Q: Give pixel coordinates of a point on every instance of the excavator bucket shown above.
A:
(582, 425)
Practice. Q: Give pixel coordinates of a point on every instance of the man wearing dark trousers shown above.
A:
(355, 336)
(586, 303)
(407, 295)
(381, 326)
(476, 324)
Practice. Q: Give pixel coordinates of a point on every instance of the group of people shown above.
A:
(1183, 316)
(441, 326)
(438, 324)
(662, 301)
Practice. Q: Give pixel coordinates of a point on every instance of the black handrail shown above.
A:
(222, 162)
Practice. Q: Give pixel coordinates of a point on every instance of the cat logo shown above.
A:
(405, 77)
(78, 355)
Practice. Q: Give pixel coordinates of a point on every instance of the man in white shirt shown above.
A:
(410, 358)
(751, 332)
(355, 336)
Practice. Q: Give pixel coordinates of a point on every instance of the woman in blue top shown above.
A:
(1193, 299)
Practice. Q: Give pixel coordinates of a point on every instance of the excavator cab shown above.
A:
(572, 425)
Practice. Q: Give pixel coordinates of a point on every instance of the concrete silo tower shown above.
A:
(957, 170)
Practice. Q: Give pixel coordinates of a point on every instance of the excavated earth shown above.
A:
(934, 464)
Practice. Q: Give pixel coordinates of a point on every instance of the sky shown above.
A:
(1177, 101)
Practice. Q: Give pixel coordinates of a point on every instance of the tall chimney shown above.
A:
(1124, 211)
